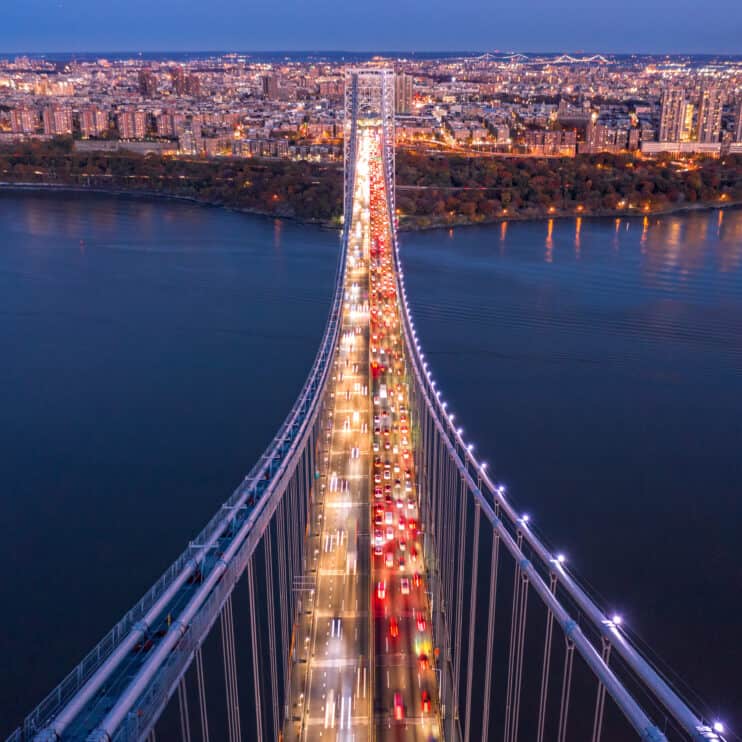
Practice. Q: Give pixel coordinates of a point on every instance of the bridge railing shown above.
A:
(535, 565)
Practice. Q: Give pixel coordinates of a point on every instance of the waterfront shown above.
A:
(598, 370)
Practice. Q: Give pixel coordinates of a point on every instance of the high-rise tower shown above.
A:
(709, 115)
(672, 116)
(403, 93)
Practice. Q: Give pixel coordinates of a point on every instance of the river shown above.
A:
(150, 350)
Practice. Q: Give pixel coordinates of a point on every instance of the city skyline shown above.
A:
(39, 26)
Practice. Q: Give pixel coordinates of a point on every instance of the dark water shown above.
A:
(150, 350)
(143, 372)
(598, 369)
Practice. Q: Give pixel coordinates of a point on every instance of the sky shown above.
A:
(643, 26)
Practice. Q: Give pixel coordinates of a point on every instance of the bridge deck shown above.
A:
(364, 667)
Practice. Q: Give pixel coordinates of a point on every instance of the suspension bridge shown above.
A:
(367, 580)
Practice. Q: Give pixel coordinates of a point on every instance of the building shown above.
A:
(24, 120)
(169, 123)
(193, 86)
(673, 114)
(178, 80)
(189, 138)
(681, 148)
(57, 120)
(270, 86)
(93, 122)
(132, 124)
(687, 130)
(403, 93)
(738, 123)
(147, 83)
(709, 115)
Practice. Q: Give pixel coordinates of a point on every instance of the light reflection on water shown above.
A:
(597, 366)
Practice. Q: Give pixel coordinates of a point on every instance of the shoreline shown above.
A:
(155, 195)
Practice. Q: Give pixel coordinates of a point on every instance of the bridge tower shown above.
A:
(369, 97)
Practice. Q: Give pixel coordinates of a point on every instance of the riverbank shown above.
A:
(406, 226)
(158, 196)
(334, 224)
(433, 192)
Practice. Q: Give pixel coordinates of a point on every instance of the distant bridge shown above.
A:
(368, 578)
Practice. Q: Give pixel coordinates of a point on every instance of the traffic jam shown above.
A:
(404, 668)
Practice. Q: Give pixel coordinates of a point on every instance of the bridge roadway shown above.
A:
(364, 592)
(331, 692)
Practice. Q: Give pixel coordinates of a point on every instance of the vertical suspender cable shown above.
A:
(185, 721)
(472, 621)
(519, 656)
(545, 667)
(255, 648)
(460, 597)
(284, 596)
(488, 669)
(202, 695)
(600, 699)
(235, 687)
(566, 689)
(270, 598)
(512, 651)
(228, 652)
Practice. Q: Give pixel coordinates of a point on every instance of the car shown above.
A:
(389, 559)
(416, 579)
(404, 585)
(423, 662)
(401, 523)
(401, 564)
(381, 590)
(377, 492)
(389, 533)
(387, 474)
(378, 551)
(398, 707)
(377, 478)
(420, 622)
(393, 628)
(389, 517)
(378, 536)
(412, 525)
(402, 544)
(425, 702)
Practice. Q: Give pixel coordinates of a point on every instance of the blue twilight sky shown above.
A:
(383, 25)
